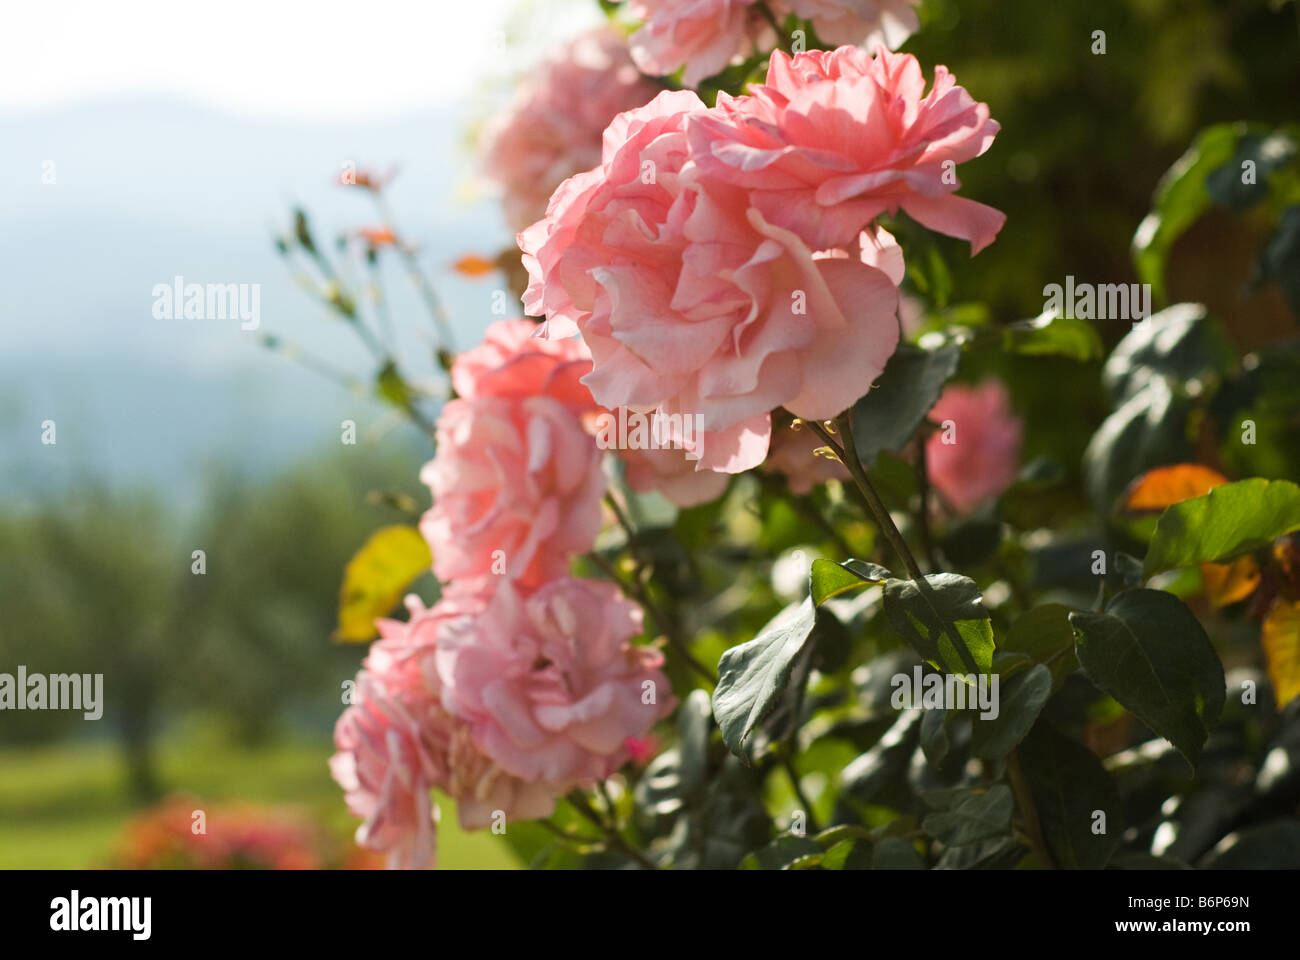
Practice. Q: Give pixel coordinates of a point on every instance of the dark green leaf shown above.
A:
(1148, 430)
(1152, 655)
(977, 816)
(895, 853)
(1070, 788)
(889, 414)
(1021, 701)
(1180, 343)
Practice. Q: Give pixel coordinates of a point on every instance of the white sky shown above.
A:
(321, 59)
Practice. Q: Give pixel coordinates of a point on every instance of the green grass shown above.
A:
(65, 805)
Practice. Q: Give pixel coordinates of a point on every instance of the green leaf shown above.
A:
(926, 615)
(391, 387)
(1021, 701)
(1179, 201)
(753, 676)
(376, 578)
(1230, 520)
(830, 579)
(1070, 787)
(1053, 335)
(1045, 636)
(975, 817)
(889, 414)
(1153, 656)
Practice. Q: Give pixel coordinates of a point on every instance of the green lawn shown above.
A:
(65, 805)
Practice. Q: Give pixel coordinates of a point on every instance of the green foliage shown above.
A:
(1229, 521)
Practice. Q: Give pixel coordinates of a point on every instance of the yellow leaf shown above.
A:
(1280, 636)
(376, 578)
(1227, 583)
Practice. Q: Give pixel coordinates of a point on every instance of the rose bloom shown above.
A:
(549, 682)
(516, 489)
(864, 23)
(668, 471)
(692, 302)
(984, 457)
(553, 128)
(701, 35)
(791, 455)
(512, 361)
(396, 742)
(834, 139)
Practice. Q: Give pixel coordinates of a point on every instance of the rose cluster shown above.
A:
(723, 262)
(522, 682)
(704, 36)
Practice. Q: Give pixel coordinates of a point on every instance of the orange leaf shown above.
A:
(1227, 583)
(1166, 486)
(472, 265)
(1280, 637)
(378, 236)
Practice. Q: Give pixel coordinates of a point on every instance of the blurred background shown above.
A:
(155, 140)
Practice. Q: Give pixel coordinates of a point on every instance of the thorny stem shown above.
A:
(584, 808)
(1025, 801)
(923, 513)
(430, 296)
(848, 455)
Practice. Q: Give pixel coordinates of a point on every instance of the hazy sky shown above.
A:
(319, 59)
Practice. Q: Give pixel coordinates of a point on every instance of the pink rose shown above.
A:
(552, 130)
(512, 361)
(516, 489)
(835, 139)
(863, 23)
(702, 35)
(549, 682)
(397, 742)
(693, 303)
(975, 455)
(386, 769)
(792, 455)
